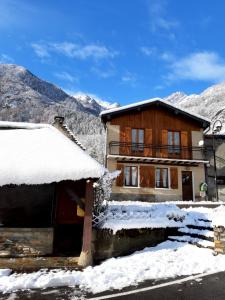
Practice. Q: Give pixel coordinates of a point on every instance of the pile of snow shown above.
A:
(39, 153)
(167, 260)
(136, 214)
(216, 215)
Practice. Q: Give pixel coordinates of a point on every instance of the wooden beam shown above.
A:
(86, 258)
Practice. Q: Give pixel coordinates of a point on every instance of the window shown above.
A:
(161, 178)
(131, 176)
(137, 139)
(221, 180)
(174, 142)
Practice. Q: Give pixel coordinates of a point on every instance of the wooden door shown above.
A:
(66, 207)
(187, 186)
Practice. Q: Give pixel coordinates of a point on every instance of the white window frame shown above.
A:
(138, 174)
(169, 181)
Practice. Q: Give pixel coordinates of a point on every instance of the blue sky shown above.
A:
(119, 50)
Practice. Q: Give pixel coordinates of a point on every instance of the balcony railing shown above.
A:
(156, 151)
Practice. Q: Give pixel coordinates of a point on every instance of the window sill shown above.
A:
(131, 187)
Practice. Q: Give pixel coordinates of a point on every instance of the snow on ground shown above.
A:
(167, 260)
(192, 240)
(216, 215)
(136, 214)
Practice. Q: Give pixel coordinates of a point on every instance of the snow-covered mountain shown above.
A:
(94, 103)
(25, 97)
(210, 103)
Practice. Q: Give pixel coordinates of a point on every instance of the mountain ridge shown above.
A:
(25, 97)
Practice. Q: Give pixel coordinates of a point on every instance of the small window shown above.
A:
(131, 176)
(220, 180)
(137, 140)
(174, 142)
(161, 178)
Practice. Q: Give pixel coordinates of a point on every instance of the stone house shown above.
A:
(46, 192)
(157, 147)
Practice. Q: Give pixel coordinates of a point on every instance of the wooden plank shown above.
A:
(119, 179)
(173, 178)
(184, 143)
(147, 176)
(148, 142)
(164, 135)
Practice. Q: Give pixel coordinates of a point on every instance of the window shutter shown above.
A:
(119, 179)
(184, 143)
(173, 178)
(148, 142)
(164, 151)
(128, 140)
(122, 140)
(147, 176)
(151, 176)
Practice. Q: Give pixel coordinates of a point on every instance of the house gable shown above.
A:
(154, 106)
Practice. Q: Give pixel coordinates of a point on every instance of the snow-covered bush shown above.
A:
(103, 188)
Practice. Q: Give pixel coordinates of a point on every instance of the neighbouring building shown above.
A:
(46, 192)
(219, 140)
(157, 147)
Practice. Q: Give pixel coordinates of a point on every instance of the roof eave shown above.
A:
(106, 116)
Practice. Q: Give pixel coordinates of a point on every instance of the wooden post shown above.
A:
(86, 258)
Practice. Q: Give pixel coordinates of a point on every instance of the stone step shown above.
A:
(203, 234)
(30, 264)
(206, 226)
(194, 241)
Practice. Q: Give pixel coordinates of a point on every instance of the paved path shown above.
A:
(211, 287)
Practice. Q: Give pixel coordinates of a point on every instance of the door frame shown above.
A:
(192, 178)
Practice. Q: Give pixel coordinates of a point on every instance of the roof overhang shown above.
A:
(153, 160)
(108, 114)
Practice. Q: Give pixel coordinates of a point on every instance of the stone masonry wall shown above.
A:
(219, 239)
(126, 241)
(22, 242)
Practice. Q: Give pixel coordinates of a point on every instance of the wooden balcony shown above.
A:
(156, 151)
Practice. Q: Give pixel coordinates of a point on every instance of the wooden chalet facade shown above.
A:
(156, 147)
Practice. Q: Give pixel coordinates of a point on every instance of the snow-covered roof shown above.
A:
(151, 101)
(40, 153)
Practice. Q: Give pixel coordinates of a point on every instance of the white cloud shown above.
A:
(167, 56)
(159, 87)
(74, 50)
(106, 73)
(148, 51)
(6, 59)
(41, 50)
(158, 17)
(84, 52)
(156, 53)
(130, 78)
(205, 66)
(66, 76)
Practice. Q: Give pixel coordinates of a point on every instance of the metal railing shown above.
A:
(156, 151)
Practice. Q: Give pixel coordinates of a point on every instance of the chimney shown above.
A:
(58, 120)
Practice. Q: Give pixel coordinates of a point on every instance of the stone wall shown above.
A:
(219, 239)
(22, 242)
(107, 244)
